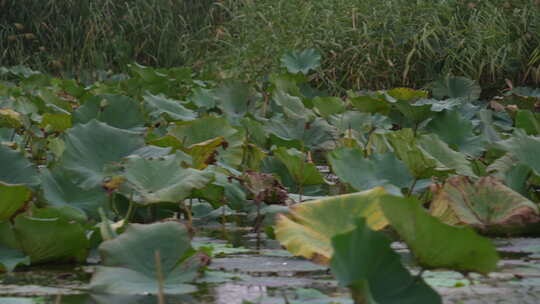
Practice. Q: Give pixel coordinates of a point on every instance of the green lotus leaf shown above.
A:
(292, 106)
(405, 146)
(11, 258)
(371, 103)
(309, 227)
(203, 153)
(303, 172)
(60, 190)
(12, 198)
(524, 149)
(299, 133)
(364, 261)
(301, 61)
(528, 121)
(16, 169)
(447, 159)
(366, 173)
(407, 94)
(57, 122)
(435, 244)
(415, 113)
(327, 106)
(115, 110)
(486, 205)
(209, 128)
(457, 132)
(173, 110)
(234, 99)
(129, 261)
(10, 118)
(487, 127)
(93, 146)
(51, 234)
(456, 87)
(153, 181)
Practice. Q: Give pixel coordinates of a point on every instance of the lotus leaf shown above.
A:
(58, 122)
(301, 62)
(303, 172)
(447, 159)
(16, 169)
(299, 133)
(51, 234)
(457, 132)
(92, 146)
(363, 173)
(456, 87)
(406, 148)
(364, 261)
(435, 244)
(12, 199)
(292, 106)
(153, 181)
(59, 190)
(209, 128)
(371, 103)
(525, 149)
(130, 261)
(115, 110)
(486, 204)
(172, 110)
(308, 229)
(11, 258)
(234, 99)
(327, 106)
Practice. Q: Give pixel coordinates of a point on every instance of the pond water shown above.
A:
(268, 275)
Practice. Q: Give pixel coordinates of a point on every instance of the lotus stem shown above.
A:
(159, 277)
(187, 210)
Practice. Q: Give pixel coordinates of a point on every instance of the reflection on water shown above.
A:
(230, 293)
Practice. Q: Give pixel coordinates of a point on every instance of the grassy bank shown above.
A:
(365, 44)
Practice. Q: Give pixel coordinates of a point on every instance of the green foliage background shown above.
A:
(365, 43)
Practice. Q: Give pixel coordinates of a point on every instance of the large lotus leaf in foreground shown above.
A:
(365, 262)
(130, 261)
(435, 244)
(50, 234)
(59, 190)
(486, 204)
(91, 147)
(308, 229)
(16, 169)
(12, 198)
(363, 173)
(161, 180)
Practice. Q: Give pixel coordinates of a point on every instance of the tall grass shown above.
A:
(378, 44)
(364, 43)
(99, 34)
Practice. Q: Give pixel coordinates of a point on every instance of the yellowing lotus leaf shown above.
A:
(487, 205)
(309, 227)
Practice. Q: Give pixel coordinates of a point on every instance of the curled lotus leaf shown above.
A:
(309, 228)
(487, 205)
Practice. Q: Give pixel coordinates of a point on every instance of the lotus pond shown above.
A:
(159, 186)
